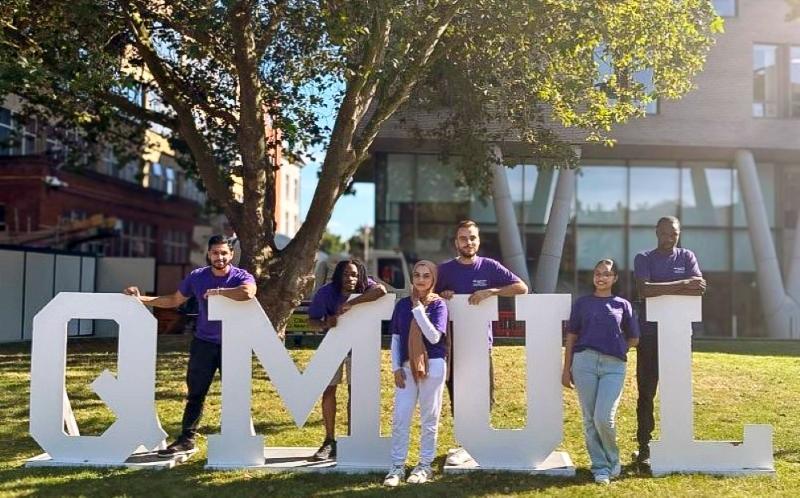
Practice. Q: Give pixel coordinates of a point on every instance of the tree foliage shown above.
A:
(214, 72)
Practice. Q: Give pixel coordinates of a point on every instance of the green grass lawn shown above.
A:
(734, 383)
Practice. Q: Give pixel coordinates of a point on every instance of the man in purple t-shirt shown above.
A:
(667, 269)
(480, 278)
(329, 303)
(220, 278)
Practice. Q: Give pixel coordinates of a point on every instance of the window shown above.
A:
(765, 81)
(170, 180)
(288, 188)
(2, 217)
(6, 133)
(794, 81)
(602, 194)
(297, 180)
(108, 161)
(645, 78)
(605, 68)
(654, 192)
(707, 194)
(29, 137)
(156, 180)
(176, 247)
(725, 8)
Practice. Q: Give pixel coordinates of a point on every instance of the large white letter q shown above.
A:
(130, 395)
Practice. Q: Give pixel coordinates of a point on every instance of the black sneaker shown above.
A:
(641, 459)
(325, 452)
(181, 446)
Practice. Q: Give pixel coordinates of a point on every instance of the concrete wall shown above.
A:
(30, 279)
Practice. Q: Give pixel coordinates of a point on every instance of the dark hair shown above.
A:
(668, 219)
(219, 239)
(608, 261)
(338, 275)
(466, 224)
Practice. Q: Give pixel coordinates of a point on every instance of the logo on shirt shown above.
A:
(679, 269)
(480, 283)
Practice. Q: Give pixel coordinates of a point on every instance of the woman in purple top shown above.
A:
(601, 329)
(419, 352)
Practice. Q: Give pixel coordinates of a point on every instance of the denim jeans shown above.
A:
(599, 379)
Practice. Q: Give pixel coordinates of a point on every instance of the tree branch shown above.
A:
(404, 82)
(138, 111)
(201, 149)
(257, 175)
(267, 34)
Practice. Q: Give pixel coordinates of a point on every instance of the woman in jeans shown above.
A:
(419, 350)
(601, 329)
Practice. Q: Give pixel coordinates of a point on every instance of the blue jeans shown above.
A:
(599, 379)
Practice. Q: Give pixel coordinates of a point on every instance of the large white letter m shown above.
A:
(247, 330)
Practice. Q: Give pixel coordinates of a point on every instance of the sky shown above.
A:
(351, 212)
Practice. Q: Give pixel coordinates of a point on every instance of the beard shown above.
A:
(467, 252)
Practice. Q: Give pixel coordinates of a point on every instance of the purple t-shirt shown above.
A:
(401, 323)
(656, 266)
(484, 273)
(327, 300)
(603, 324)
(197, 283)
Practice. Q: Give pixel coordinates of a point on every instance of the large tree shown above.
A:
(219, 70)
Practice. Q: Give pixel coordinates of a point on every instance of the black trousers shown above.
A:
(205, 358)
(647, 382)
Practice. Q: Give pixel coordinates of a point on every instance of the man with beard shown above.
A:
(330, 302)
(480, 278)
(667, 269)
(220, 278)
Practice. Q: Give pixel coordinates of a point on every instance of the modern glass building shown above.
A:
(680, 160)
(616, 206)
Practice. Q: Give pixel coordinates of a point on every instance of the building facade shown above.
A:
(155, 207)
(687, 158)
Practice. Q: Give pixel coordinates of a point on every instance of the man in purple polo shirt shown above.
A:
(667, 269)
(220, 278)
(329, 303)
(480, 278)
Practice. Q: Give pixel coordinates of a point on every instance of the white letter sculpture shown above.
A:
(246, 329)
(524, 449)
(677, 451)
(130, 395)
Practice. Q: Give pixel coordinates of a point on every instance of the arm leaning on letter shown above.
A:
(373, 293)
(168, 301)
(694, 286)
(506, 291)
(240, 293)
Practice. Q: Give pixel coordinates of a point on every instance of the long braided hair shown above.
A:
(338, 275)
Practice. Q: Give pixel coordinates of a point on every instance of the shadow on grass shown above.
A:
(192, 479)
(749, 347)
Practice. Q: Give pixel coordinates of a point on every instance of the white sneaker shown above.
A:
(458, 457)
(395, 475)
(602, 479)
(420, 474)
